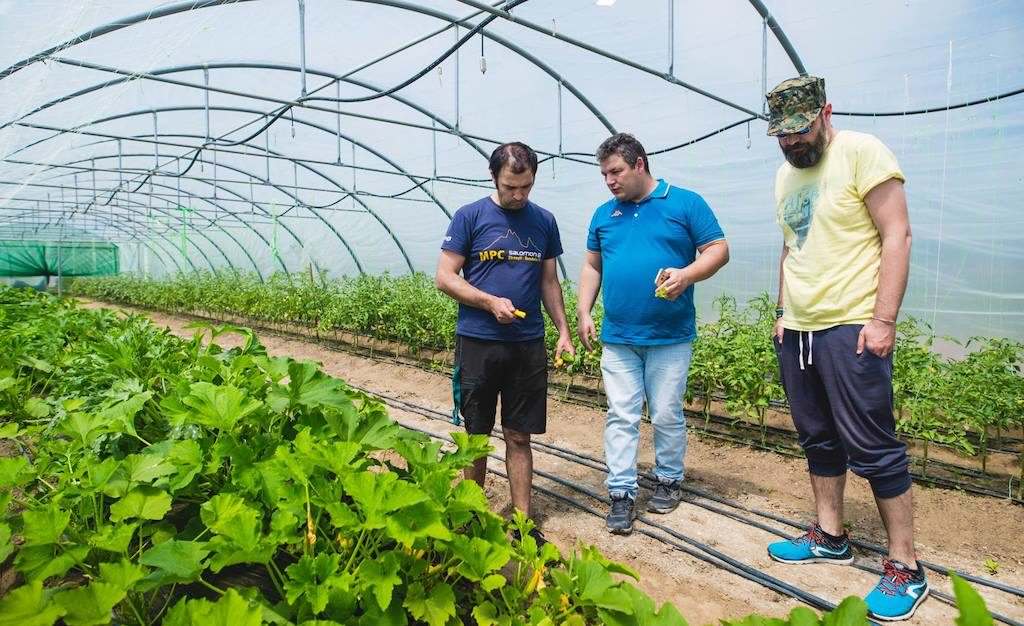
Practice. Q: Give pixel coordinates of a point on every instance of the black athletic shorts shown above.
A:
(517, 371)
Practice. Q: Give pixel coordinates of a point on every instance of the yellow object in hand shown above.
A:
(519, 314)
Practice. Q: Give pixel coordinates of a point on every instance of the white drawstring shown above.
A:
(810, 347)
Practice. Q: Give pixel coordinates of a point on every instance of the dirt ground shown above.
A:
(951, 528)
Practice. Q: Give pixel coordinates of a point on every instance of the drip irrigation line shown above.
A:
(679, 541)
(598, 464)
(649, 479)
(509, 5)
(939, 109)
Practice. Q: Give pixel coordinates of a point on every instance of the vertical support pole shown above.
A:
(560, 136)
(433, 141)
(671, 37)
(302, 43)
(156, 143)
(764, 65)
(120, 166)
(353, 195)
(215, 185)
(457, 50)
(206, 100)
(337, 120)
(266, 144)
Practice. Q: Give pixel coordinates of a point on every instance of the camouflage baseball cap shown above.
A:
(794, 104)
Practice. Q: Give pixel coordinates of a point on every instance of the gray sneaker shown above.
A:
(667, 494)
(621, 516)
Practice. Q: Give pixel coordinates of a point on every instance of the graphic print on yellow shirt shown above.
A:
(830, 276)
(798, 210)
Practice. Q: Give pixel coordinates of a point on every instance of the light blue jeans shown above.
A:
(633, 374)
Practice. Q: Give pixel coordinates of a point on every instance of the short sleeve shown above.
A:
(593, 241)
(554, 247)
(702, 223)
(875, 164)
(457, 239)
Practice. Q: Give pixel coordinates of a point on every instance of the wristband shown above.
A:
(890, 322)
(779, 312)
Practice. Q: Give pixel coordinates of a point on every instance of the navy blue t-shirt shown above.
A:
(505, 252)
(635, 240)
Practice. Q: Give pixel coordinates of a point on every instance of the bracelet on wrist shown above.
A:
(884, 321)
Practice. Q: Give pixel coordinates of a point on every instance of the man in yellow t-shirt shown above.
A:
(845, 258)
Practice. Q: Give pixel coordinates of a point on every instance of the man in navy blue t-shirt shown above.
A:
(643, 246)
(505, 247)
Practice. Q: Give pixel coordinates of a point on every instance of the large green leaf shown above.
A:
(371, 428)
(90, 605)
(230, 610)
(44, 526)
(12, 471)
(380, 577)
(309, 387)
(175, 561)
(214, 406)
(6, 547)
(42, 562)
(973, 611)
(142, 502)
(313, 579)
(231, 516)
(851, 612)
(29, 605)
(147, 467)
(36, 407)
(113, 537)
(479, 557)
(378, 494)
(121, 415)
(435, 608)
(84, 428)
(123, 573)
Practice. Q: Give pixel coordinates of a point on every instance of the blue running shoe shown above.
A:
(899, 592)
(812, 547)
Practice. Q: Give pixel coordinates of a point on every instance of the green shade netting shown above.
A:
(38, 258)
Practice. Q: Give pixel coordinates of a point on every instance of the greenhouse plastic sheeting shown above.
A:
(36, 258)
(376, 178)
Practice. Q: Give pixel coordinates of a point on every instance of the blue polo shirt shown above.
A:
(635, 240)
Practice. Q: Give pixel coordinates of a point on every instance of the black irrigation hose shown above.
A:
(581, 459)
(939, 109)
(596, 463)
(698, 550)
(946, 483)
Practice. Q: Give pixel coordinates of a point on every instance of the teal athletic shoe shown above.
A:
(812, 547)
(898, 593)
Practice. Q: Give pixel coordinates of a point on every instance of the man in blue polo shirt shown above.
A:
(643, 247)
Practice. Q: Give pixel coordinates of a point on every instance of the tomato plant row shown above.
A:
(961, 403)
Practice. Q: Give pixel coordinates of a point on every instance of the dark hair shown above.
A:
(516, 155)
(626, 146)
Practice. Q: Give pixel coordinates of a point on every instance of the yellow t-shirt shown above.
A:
(830, 275)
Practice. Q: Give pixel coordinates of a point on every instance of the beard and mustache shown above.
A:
(808, 153)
